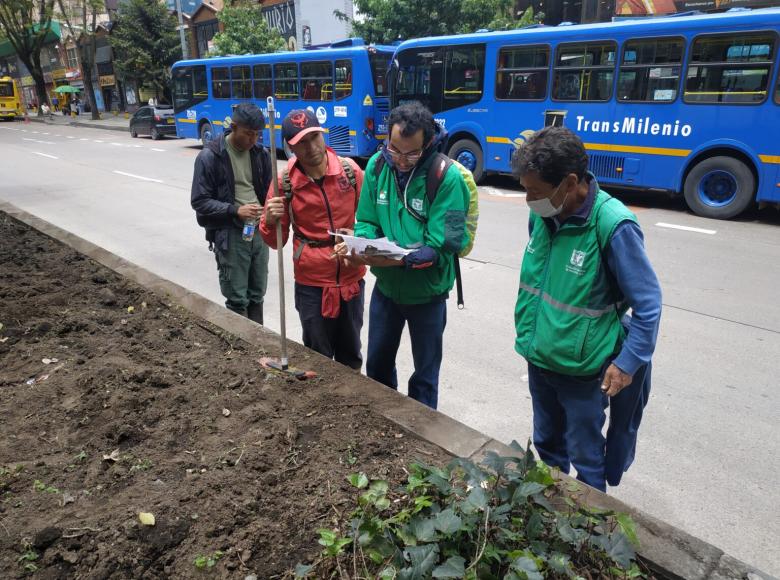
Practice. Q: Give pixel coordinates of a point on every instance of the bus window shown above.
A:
(189, 86)
(522, 73)
(730, 68)
(379, 62)
(286, 81)
(220, 82)
(263, 81)
(343, 78)
(317, 81)
(241, 81)
(584, 72)
(420, 74)
(463, 75)
(6, 89)
(650, 71)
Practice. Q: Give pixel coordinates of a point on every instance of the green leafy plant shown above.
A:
(28, 559)
(141, 465)
(39, 486)
(504, 518)
(207, 562)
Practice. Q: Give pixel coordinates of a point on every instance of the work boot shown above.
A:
(255, 313)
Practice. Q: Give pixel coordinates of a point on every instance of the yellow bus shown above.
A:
(10, 99)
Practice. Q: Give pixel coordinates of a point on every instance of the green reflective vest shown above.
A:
(569, 308)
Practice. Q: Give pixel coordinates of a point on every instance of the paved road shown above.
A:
(709, 452)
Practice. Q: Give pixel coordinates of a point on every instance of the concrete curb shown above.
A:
(669, 551)
(78, 124)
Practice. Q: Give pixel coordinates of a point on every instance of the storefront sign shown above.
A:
(27, 81)
(60, 73)
(281, 17)
(107, 81)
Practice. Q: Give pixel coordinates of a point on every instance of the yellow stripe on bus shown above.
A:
(381, 137)
(218, 123)
(186, 121)
(638, 149)
(499, 140)
(770, 158)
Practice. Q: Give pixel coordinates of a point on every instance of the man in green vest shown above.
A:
(584, 266)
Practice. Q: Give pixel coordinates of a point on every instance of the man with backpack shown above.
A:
(232, 174)
(397, 203)
(320, 192)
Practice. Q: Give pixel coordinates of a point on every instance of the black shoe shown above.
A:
(255, 313)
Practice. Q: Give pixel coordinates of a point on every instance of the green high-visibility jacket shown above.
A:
(381, 212)
(569, 307)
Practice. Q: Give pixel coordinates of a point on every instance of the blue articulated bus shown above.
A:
(345, 84)
(679, 104)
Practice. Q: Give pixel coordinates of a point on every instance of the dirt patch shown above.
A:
(227, 457)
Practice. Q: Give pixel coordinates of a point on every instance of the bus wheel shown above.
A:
(206, 133)
(720, 187)
(469, 155)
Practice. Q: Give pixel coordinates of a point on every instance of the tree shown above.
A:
(145, 43)
(245, 30)
(386, 21)
(81, 19)
(27, 24)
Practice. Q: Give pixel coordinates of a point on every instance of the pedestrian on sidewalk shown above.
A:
(319, 194)
(232, 175)
(394, 203)
(46, 110)
(55, 103)
(584, 266)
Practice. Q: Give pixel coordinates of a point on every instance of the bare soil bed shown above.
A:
(114, 402)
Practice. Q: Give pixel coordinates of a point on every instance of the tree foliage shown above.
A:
(145, 43)
(385, 21)
(26, 24)
(245, 31)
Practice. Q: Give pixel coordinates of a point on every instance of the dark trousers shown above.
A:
(426, 330)
(569, 417)
(336, 338)
(243, 272)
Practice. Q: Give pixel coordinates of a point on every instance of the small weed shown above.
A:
(39, 486)
(141, 465)
(80, 457)
(207, 562)
(334, 544)
(28, 559)
(350, 455)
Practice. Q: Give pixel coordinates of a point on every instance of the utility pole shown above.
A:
(184, 53)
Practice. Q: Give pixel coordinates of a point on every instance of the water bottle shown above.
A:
(249, 230)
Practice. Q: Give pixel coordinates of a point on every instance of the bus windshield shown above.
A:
(6, 89)
(189, 86)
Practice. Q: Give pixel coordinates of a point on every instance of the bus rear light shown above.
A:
(619, 169)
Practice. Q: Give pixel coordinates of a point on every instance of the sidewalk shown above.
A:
(109, 121)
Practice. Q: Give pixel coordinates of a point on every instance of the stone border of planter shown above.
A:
(668, 550)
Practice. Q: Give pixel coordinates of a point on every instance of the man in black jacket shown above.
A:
(232, 175)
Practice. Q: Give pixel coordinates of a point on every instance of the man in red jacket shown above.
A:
(319, 194)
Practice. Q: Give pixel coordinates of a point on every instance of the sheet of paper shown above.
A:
(378, 247)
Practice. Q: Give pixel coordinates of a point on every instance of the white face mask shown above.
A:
(544, 206)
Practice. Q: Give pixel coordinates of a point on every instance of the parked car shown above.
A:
(155, 121)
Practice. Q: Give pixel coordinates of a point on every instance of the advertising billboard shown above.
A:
(649, 7)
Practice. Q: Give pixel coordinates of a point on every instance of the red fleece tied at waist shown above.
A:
(332, 296)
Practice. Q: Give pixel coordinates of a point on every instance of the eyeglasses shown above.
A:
(411, 157)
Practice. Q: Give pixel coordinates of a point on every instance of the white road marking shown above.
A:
(35, 132)
(38, 141)
(44, 133)
(58, 135)
(70, 137)
(156, 149)
(137, 146)
(117, 144)
(46, 155)
(98, 141)
(142, 178)
(686, 228)
(499, 193)
(83, 139)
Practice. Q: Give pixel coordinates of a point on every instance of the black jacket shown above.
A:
(214, 189)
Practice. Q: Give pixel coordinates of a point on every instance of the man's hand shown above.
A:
(354, 260)
(274, 210)
(249, 211)
(615, 381)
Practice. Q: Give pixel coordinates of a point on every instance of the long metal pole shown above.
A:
(182, 38)
(279, 242)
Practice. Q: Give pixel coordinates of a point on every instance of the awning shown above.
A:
(54, 34)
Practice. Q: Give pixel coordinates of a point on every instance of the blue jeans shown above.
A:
(426, 329)
(569, 417)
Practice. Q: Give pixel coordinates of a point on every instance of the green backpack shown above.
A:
(436, 172)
